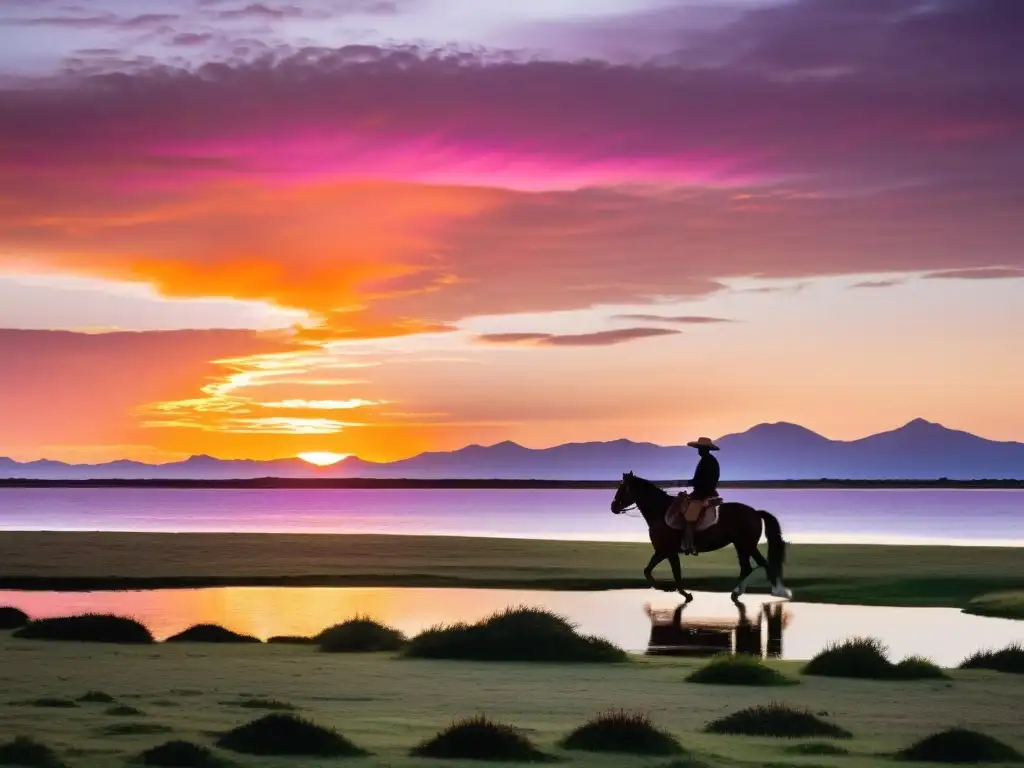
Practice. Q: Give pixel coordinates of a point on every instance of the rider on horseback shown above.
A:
(705, 486)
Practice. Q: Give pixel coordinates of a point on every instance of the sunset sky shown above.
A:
(381, 227)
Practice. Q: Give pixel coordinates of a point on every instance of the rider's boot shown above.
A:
(688, 546)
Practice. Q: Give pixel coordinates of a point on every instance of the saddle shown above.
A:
(674, 517)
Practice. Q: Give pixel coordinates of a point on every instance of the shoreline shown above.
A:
(845, 574)
(369, 483)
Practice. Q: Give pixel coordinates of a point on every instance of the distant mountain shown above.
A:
(919, 450)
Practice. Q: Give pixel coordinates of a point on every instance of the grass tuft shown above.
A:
(29, 753)
(96, 697)
(12, 618)
(123, 710)
(1009, 659)
(624, 733)
(133, 729)
(742, 669)
(210, 633)
(959, 745)
(360, 635)
(47, 702)
(292, 640)
(271, 704)
(477, 738)
(777, 720)
(867, 658)
(515, 634)
(288, 735)
(87, 628)
(181, 754)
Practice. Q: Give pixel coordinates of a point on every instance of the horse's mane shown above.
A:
(647, 485)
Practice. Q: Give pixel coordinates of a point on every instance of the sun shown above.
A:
(323, 458)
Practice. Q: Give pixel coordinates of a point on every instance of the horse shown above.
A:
(738, 524)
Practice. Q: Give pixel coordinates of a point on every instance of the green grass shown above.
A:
(48, 702)
(28, 753)
(360, 635)
(868, 658)
(287, 735)
(1005, 605)
(87, 628)
(777, 720)
(622, 732)
(741, 669)
(12, 618)
(210, 633)
(960, 745)
(867, 575)
(123, 710)
(515, 634)
(268, 704)
(817, 748)
(1009, 659)
(181, 754)
(387, 705)
(478, 738)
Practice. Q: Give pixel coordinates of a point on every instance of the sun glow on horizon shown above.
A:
(323, 458)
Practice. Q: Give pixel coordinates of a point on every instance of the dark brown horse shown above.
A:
(738, 524)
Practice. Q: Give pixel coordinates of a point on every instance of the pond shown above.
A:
(637, 620)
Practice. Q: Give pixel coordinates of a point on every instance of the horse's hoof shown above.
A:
(783, 592)
(735, 596)
(688, 596)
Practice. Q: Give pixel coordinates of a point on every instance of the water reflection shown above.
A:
(636, 620)
(672, 634)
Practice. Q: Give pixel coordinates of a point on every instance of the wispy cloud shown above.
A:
(980, 273)
(877, 283)
(675, 319)
(597, 339)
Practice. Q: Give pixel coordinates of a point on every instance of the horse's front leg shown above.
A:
(651, 565)
(677, 573)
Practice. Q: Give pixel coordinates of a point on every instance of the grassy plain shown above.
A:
(845, 574)
(388, 705)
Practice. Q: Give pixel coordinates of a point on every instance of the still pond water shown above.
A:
(637, 620)
(978, 517)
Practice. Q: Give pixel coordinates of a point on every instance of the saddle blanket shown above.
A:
(708, 514)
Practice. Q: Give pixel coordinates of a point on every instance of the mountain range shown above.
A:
(919, 450)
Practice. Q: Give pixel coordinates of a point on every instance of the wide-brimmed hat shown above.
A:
(704, 442)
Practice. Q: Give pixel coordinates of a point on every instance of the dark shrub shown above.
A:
(1009, 659)
(12, 618)
(181, 754)
(292, 640)
(29, 753)
(287, 735)
(477, 738)
(742, 669)
(360, 635)
(210, 633)
(88, 628)
(273, 704)
(778, 720)
(958, 745)
(516, 634)
(622, 732)
(123, 710)
(868, 658)
(96, 697)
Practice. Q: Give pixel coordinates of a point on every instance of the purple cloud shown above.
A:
(598, 339)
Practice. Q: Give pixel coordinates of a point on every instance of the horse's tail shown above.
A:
(776, 546)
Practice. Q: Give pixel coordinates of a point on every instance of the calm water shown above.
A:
(979, 517)
(793, 630)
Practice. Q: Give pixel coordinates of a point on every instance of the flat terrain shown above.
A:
(387, 705)
(847, 574)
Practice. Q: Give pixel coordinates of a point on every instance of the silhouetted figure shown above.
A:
(705, 486)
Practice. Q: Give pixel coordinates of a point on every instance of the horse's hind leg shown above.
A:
(763, 563)
(677, 573)
(745, 571)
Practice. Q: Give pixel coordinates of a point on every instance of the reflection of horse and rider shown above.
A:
(700, 521)
(672, 636)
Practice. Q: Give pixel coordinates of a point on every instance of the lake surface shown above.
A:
(790, 630)
(975, 517)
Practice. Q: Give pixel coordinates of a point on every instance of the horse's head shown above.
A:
(624, 494)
